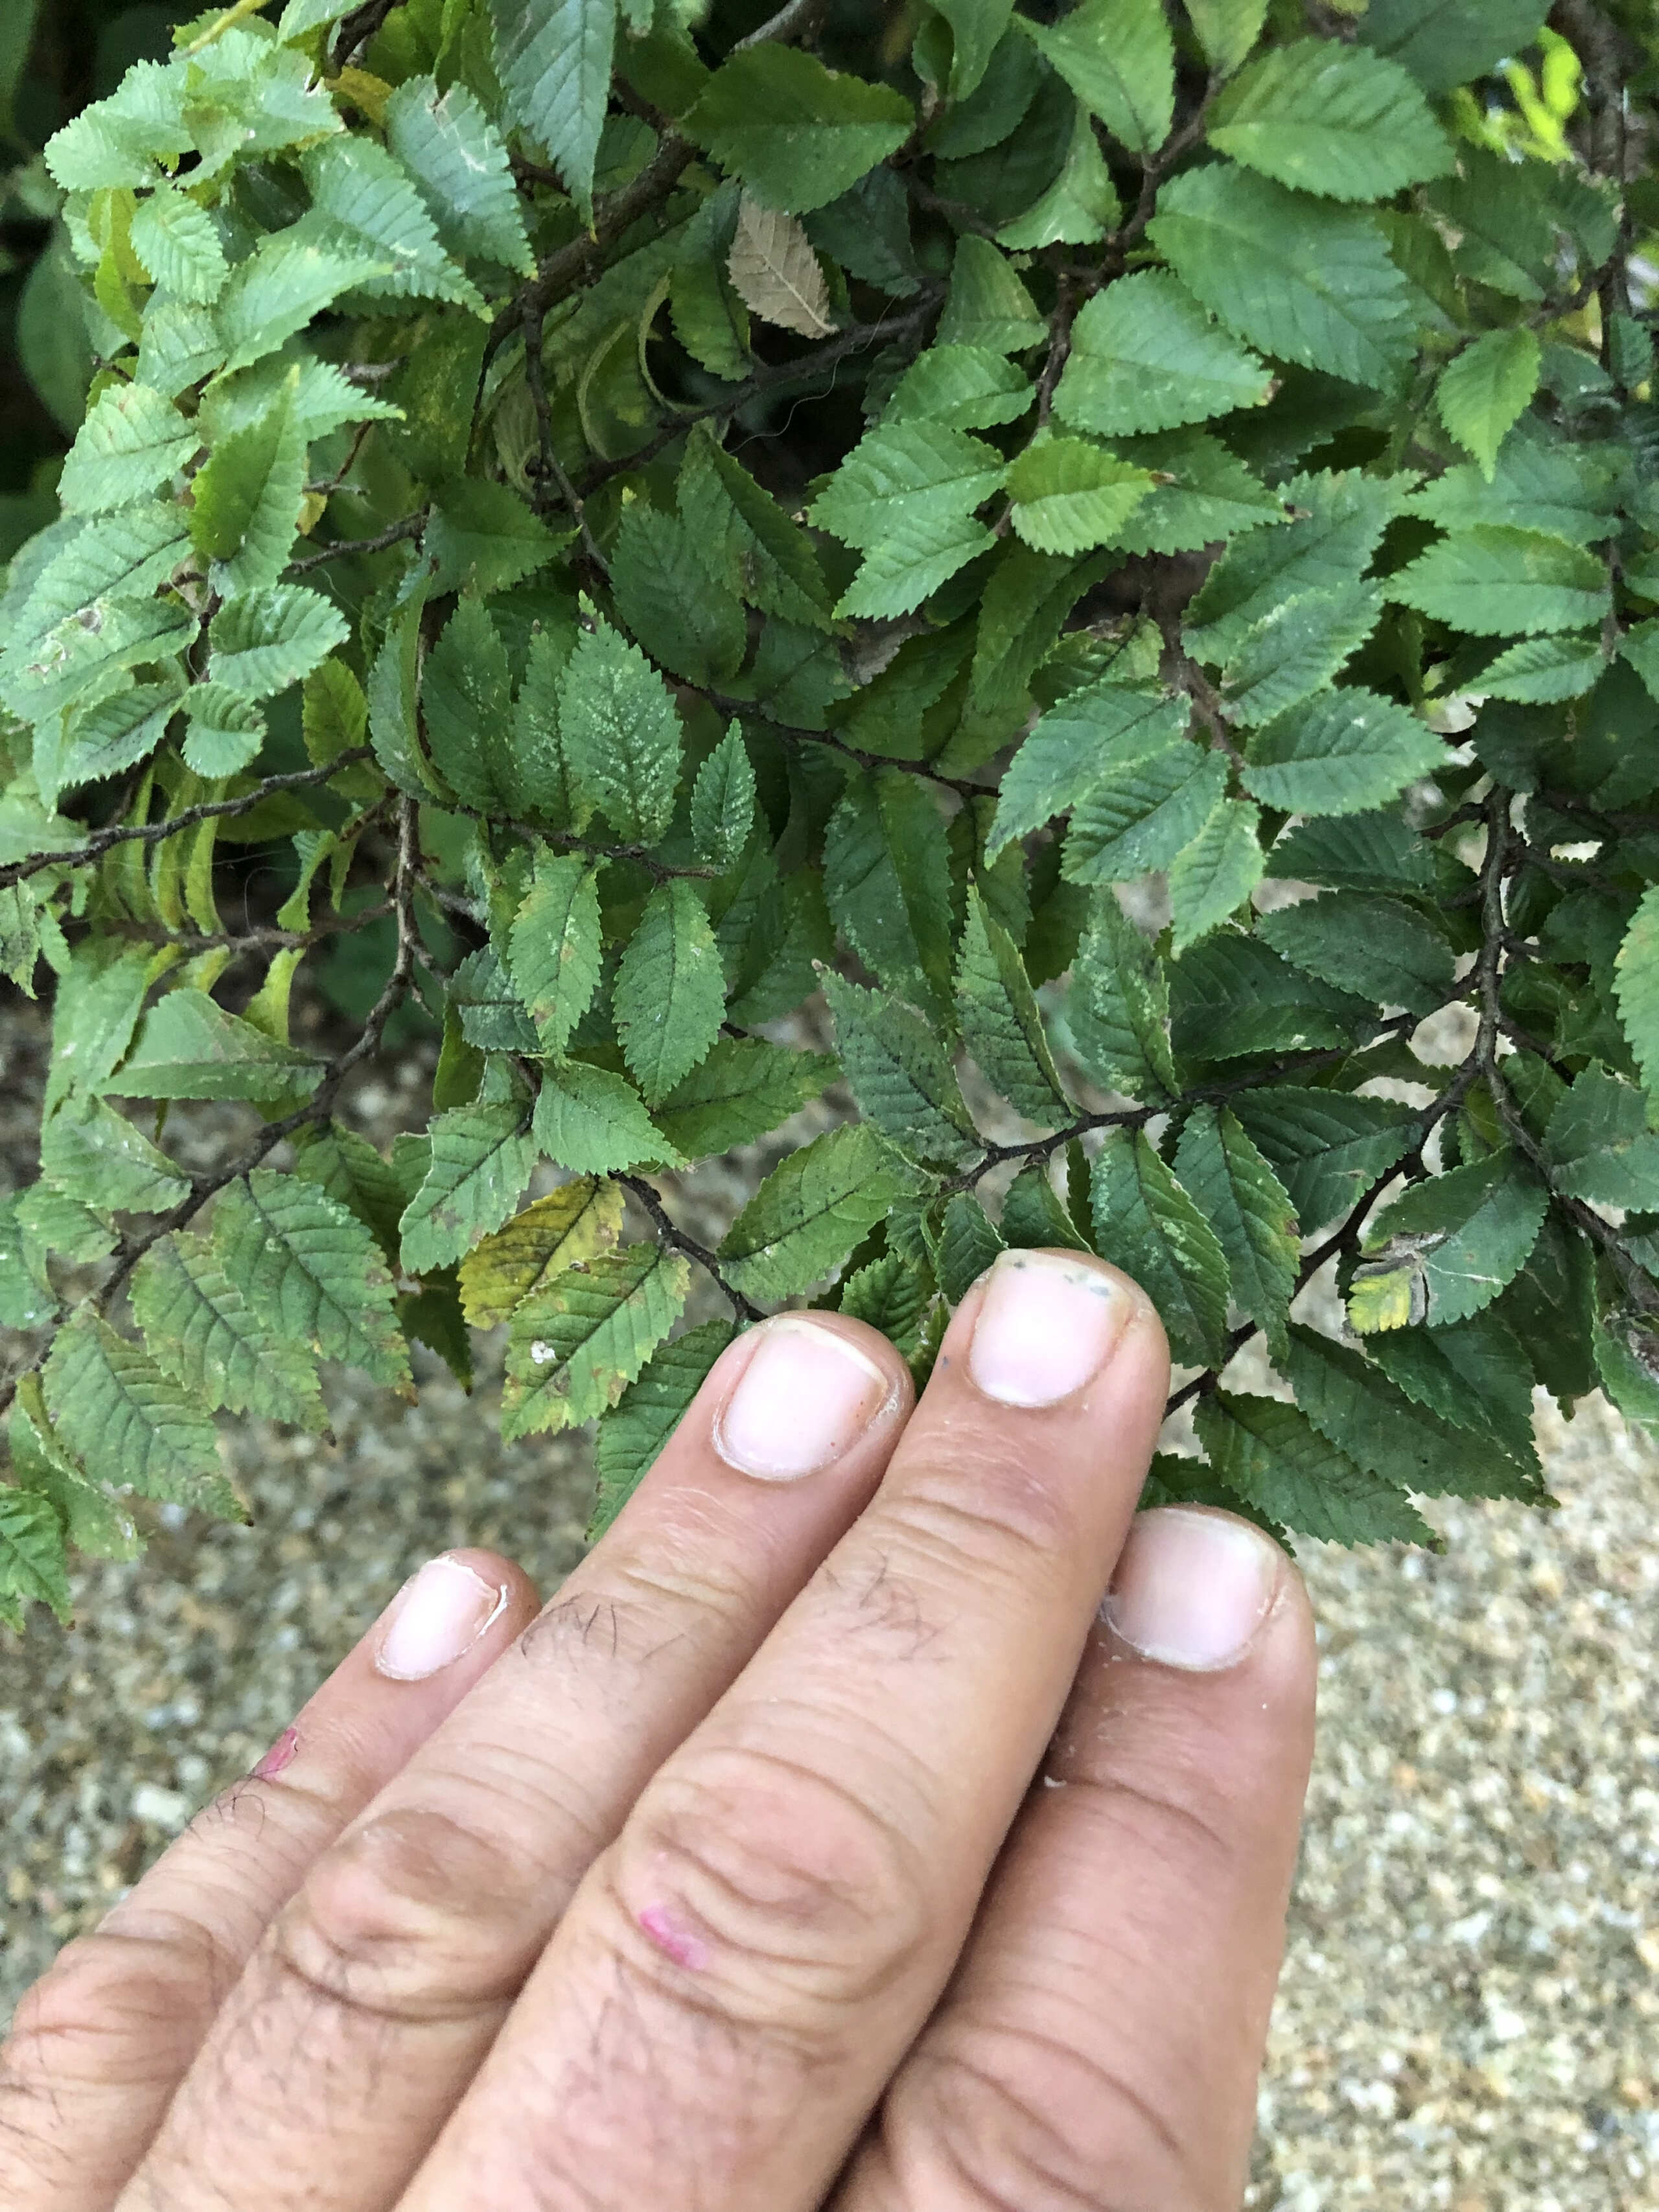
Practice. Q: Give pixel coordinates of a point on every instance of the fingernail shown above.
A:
(1046, 1326)
(1192, 1589)
(806, 1396)
(442, 1612)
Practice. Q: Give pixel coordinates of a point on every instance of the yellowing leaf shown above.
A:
(775, 273)
(570, 1226)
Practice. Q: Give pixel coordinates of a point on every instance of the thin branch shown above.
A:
(552, 469)
(261, 939)
(408, 525)
(152, 833)
(672, 1234)
(796, 20)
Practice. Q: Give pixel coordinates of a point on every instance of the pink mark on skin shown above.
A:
(280, 1755)
(681, 1947)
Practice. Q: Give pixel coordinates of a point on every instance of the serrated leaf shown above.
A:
(363, 201)
(1119, 1008)
(1302, 280)
(1326, 1146)
(311, 1271)
(1204, 492)
(1376, 852)
(376, 1190)
(33, 1564)
(797, 133)
(247, 496)
(1599, 1145)
(633, 1432)
(1001, 1024)
(119, 141)
(1332, 119)
(1483, 390)
(619, 734)
(1377, 948)
(967, 1243)
(1143, 814)
(886, 876)
(905, 496)
(1446, 46)
(466, 689)
(987, 304)
(554, 60)
(573, 1347)
(1471, 1228)
(1297, 648)
(1347, 752)
(287, 281)
(1540, 482)
(569, 1227)
(744, 1088)
(459, 166)
(1227, 29)
(1541, 670)
(1211, 877)
(223, 731)
(1118, 56)
(1337, 521)
(723, 802)
(664, 594)
(669, 998)
(1475, 1374)
(593, 1122)
(98, 1157)
(748, 539)
(1154, 1231)
(1270, 1454)
(484, 539)
(1636, 986)
(1076, 744)
(113, 734)
(202, 1331)
(554, 950)
(539, 769)
(811, 1211)
(481, 1161)
(963, 387)
(893, 1295)
(774, 271)
(188, 1046)
(1495, 580)
(266, 640)
(1035, 1216)
(1146, 357)
(1080, 207)
(130, 1423)
(901, 1075)
(133, 441)
(1236, 1190)
(1068, 495)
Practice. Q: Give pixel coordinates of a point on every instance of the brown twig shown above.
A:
(672, 1234)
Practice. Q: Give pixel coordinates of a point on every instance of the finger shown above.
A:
(363, 2018)
(101, 2044)
(743, 1971)
(1101, 2042)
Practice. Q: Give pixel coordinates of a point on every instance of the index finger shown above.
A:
(747, 1963)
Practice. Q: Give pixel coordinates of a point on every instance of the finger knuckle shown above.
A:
(985, 1518)
(405, 1918)
(806, 1901)
(95, 2013)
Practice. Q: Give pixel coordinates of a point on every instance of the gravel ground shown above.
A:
(1470, 2009)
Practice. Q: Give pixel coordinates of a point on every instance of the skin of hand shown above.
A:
(883, 1818)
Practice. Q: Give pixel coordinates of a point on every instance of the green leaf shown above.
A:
(886, 876)
(1146, 357)
(1035, 1216)
(188, 1046)
(246, 498)
(901, 1075)
(459, 166)
(1471, 1231)
(968, 1245)
(287, 281)
(554, 60)
(964, 387)
(1119, 1006)
(482, 1156)
(1538, 483)
(1483, 390)
(810, 1212)
(32, 1562)
(1627, 1363)
(1301, 279)
(905, 496)
(1235, 1189)
(311, 1271)
(745, 1088)
(569, 1227)
(1495, 580)
(1598, 1143)
(1475, 1374)
(723, 802)
(266, 640)
(1001, 1024)
(746, 537)
(1118, 56)
(1227, 29)
(130, 1423)
(484, 539)
(1204, 493)
(1297, 648)
(664, 594)
(593, 1122)
(1339, 518)
(1347, 752)
(1272, 1454)
(1326, 1146)
(364, 201)
(976, 27)
(202, 1331)
(633, 1432)
(1381, 1430)
(575, 1344)
(669, 997)
(1153, 1231)
(1211, 877)
(1068, 495)
(224, 731)
(1539, 671)
(466, 689)
(1080, 207)
(118, 141)
(98, 1157)
(1362, 852)
(133, 441)
(536, 760)
(1075, 746)
(1331, 120)
(174, 237)
(1143, 816)
(1377, 948)
(554, 950)
(1446, 46)
(110, 736)
(987, 304)
(620, 735)
(797, 133)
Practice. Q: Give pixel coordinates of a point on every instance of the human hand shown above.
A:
(823, 1843)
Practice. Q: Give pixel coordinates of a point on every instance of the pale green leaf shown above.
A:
(287, 281)
(223, 731)
(97, 1155)
(1155, 1232)
(669, 998)
(1118, 56)
(723, 802)
(188, 1046)
(203, 1331)
(554, 950)
(311, 1271)
(1119, 1006)
(812, 1210)
(619, 735)
(1333, 119)
(266, 640)
(1146, 357)
(131, 441)
(1636, 986)
(574, 1345)
(33, 1562)
(1087, 739)
(593, 1122)
(1001, 1024)
(245, 510)
(1483, 390)
(481, 1160)
(460, 164)
(1143, 814)
(175, 238)
(1213, 876)
(1068, 495)
(554, 60)
(1295, 649)
(466, 689)
(987, 304)
(130, 1424)
(1496, 580)
(364, 202)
